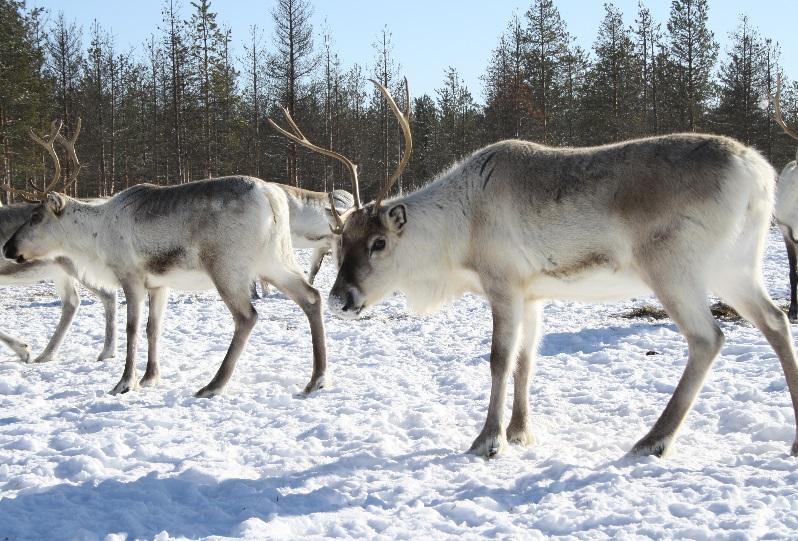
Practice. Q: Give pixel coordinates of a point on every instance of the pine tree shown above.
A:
(292, 62)
(508, 96)
(693, 50)
(648, 36)
(548, 43)
(612, 95)
(25, 95)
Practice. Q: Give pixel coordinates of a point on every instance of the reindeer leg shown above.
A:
(134, 295)
(235, 294)
(158, 298)
(686, 304)
(792, 313)
(294, 285)
(507, 314)
(21, 349)
(315, 263)
(70, 301)
(518, 431)
(265, 287)
(253, 291)
(747, 295)
(108, 298)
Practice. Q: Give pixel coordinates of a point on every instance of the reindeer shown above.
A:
(786, 209)
(520, 223)
(311, 223)
(61, 270)
(218, 233)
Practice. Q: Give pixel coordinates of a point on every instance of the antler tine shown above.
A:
(404, 123)
(298, 137)
(777, 111)
(47, 143)
(69, 145)
(339, 223)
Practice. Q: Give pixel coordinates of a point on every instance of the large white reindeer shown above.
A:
(786, 210)
(520, 223)
(60, 271)
(219, 233)
(312, 224)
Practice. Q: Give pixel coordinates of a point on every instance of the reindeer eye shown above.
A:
(378, 244)
(35, 218)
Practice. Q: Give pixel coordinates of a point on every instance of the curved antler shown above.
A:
(69, 146)
(47, 142)
(404, 123)
(38, 194)
(777, 110)
(297, 136)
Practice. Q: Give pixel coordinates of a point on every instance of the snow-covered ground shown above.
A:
(380, 454)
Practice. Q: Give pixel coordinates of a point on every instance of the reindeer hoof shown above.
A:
(208, 392)
(488, 445)
(105, 356)
(520, 435)
(150, 381)
(23, 354)
(43, 358)
(125, 385)
(315, 384)
(651, 446)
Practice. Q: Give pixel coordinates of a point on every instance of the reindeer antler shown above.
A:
(69, 146)
(47, 142)
(777, 116)
(297, 136)
(404, 123)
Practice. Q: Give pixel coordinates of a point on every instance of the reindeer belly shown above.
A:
(603, 284)
(180, 279)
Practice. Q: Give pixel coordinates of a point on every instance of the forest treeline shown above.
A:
(182, 106)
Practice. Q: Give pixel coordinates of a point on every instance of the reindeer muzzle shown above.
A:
(10, 251)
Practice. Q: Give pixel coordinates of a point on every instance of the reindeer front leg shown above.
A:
(108, 298)
(134, 295)
(70, 301)
(507, 314)
(158, 298)
(315, 263)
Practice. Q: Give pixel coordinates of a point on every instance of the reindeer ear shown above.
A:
(56, 202)
(394, 218)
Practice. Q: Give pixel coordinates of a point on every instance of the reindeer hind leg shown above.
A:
(685, 301)
(746, 294)
(296, 287)
(234, 291)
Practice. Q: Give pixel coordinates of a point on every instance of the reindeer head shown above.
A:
(42, 235)
(369, 234)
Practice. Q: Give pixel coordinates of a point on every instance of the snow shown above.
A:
(380, 454)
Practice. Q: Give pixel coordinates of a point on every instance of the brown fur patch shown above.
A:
(590, 261)
(162, 262)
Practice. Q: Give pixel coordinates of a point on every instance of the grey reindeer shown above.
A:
(60, 271)
(312, 224)
(220, 233)
(520, 223)
(786, 209)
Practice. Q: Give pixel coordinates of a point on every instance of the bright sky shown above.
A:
(431, 35)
